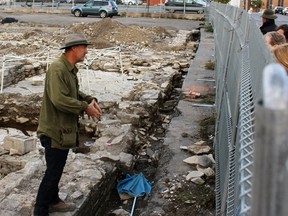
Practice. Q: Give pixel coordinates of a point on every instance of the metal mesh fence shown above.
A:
(241, 54)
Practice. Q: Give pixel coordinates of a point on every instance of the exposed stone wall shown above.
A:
(96, 201)
(9, 166)
(17, 108)
(14, 72)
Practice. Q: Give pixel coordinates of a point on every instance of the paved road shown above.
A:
(66, 19)
(67, 6)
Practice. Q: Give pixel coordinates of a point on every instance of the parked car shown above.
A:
(77, 1)
(197, 6)
(96, 7)
(285, 10)
(132, 2)
(278, 9)
(3, 2)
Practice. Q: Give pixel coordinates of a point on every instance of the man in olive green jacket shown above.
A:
(58, 123)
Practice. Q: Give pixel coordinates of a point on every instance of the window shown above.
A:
(97, 3)
(90, 3)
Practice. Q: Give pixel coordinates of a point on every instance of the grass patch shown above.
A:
(208, 98)
(123, 14)
(207, 197)
(185, 197)
(210, 65)
(191, 200)
(208, 27)
(207, 127)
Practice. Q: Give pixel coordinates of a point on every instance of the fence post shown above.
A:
(270, 188)
(270, 171)
(2, 74)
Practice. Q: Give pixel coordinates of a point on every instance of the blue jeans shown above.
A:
(48, 190)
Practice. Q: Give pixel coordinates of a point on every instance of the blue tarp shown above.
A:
(135, 186)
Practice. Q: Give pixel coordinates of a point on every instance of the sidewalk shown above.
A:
(184, 131)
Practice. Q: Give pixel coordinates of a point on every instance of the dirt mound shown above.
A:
(23, 38)
(108, 33)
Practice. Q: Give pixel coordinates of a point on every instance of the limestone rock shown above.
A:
(14, 152)
(128, 118)
(150, 95)
(194, 174)
(202, 142)
(192, 160)
(20, 144)
(110, 66)
(90, 174)
(76, 195)
(89, 129)
(199, 149)
(104, 155)
(117, 140)
(207, 171)
(120, 212)
(37, 81)
(22, 120)
(205, 161)
(198, 181)
(165, 85)
(126, 160)
(212, 158)
(63, 196)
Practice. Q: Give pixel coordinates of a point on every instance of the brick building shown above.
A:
(274, 3)
(266, 3)
(155, 2)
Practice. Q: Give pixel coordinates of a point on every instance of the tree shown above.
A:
(256, 4)
(223, 1)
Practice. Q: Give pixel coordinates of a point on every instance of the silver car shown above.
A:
(100, 8)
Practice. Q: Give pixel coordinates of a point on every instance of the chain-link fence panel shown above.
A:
(241, 54)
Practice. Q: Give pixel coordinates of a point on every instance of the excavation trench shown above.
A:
(148, 163)
(128, 139)
(104, 198)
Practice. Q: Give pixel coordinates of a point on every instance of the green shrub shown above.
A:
(210, 65)
(208, 27)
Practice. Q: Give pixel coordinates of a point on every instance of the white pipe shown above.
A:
(2, 75)
(88, 80)
(134, 202)
(121, 63)
(48, 56)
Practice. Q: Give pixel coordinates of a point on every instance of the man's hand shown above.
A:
(93, 110)
(95, 104)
